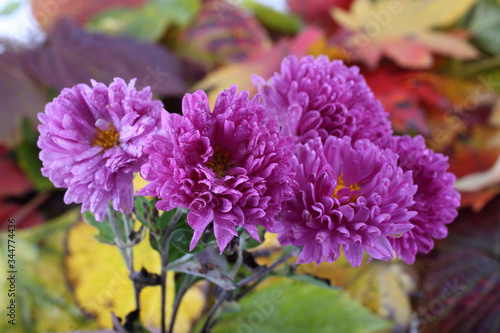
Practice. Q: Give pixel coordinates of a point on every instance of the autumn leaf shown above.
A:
(418, 101)
(43, 299)
(317, 11)
(462, 284)
(48, 12)
(100, 283)
(74, 56)
(21, 97)
(14, 182)
(264, 63)
(222, 34)
(383, 287)
(147, 22)
(294, 307)
(404, 30)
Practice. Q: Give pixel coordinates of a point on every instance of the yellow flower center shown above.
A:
(340, 185)
(219, 162)
(106, 139)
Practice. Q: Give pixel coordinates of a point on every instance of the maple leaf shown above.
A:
(403, 30)
(316, 11)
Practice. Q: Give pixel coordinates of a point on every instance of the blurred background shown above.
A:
(434, 65)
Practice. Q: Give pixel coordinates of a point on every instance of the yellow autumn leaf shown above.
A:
(402, 30)
(100, 282)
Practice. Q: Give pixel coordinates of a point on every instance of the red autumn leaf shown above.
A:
(12, 211)
(318, 11)
(48, 12)
(14, 182)
(462, 284)
(407, 96)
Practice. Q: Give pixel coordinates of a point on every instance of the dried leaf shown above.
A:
(462, 285)
(222, 34)
(100, 283)
(317, 11)
(73, 56)
(402, 30)
(48, 12)
(14, 182)
(21, 97)
(264, 63)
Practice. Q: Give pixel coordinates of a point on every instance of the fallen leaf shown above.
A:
(14, 182)
(48, 12)
(383, 287)
(462, 284)
(99, 280)
(43, 299)
(73, 56)
(317, 11)
(21, 97)
(222, 33)
(402, 30)
(294, 306)
(264, 63)
(147, 22)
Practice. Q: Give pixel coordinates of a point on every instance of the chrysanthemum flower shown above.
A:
(318, 98)
(436, 200)
(92, 142)
(354, 196)
(228, 166)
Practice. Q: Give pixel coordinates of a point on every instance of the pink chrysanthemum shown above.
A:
(318, 98)
(228, 166)
(92, 142)
(354, 196)
(436, 200)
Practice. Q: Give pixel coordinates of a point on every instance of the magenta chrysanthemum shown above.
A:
(318, 98)
(354, 196)
(92, 142)
(436, 200)
(226, 166)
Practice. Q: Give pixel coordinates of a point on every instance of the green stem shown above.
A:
(125, 251)
(164, 262)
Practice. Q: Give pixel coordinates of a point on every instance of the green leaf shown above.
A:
(181, 239)
(27, 154)
(144, 210)
(10, 8)
(485, 25)
(148, 22)
(210, 272)
(274, 20)
(294, 306)
(106, 234)
(312, 280)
